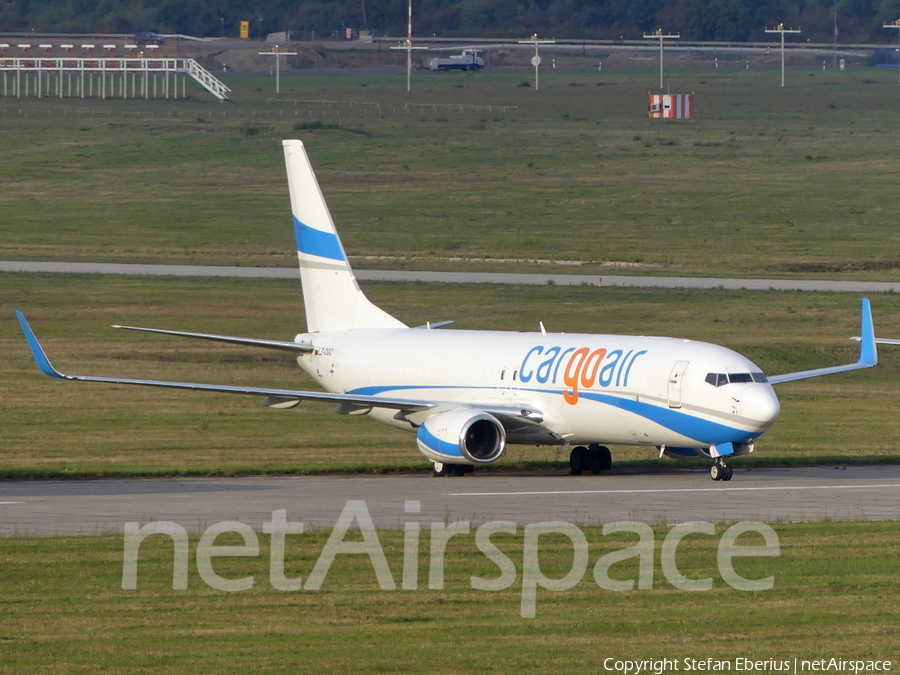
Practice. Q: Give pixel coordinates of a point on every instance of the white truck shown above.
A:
(470, 59)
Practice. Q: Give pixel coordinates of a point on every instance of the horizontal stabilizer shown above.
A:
(882, 341)
(248, 342)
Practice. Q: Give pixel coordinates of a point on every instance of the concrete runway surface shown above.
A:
(85, 507)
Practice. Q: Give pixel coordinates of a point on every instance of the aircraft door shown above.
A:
(675, 379)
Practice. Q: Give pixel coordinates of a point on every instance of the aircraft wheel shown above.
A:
(601, 458)
(439, 469)
(578, 460)
(729, 471)
(715, 471)
(463, 469)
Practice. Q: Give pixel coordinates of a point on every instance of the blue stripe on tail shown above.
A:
(318, 243)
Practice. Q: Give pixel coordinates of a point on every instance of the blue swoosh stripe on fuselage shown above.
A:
(704, 431)
(701, 430)
(316, 242)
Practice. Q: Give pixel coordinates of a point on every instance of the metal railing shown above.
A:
(104, 77)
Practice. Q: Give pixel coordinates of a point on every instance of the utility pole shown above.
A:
(660, 36)
(834, 48)
(277, 54)
(781, 29)
(408, 46)
(896, 24)
(536, 59)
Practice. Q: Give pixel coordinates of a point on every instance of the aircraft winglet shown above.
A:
(868, 353)
(37, 351)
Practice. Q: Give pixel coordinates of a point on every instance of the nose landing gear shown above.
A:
(720, 470)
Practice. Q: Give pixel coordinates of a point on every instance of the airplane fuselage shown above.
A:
(634, 390)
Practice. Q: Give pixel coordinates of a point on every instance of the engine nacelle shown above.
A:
(462, 437)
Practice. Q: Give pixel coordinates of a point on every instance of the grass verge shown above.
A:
(834, 595)
(473, 173)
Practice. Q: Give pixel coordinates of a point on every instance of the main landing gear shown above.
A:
(720, 470)
(440, 469)
(595, 457)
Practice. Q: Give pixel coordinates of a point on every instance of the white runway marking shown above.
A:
(650, 491)
(5, 503)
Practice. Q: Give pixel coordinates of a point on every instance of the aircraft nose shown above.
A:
(760, 404)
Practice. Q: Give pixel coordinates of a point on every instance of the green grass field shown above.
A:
(765, 182)
(835, 595)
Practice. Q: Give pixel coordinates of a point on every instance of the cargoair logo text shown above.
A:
(581, 368)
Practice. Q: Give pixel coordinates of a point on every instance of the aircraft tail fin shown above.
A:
(331, 295)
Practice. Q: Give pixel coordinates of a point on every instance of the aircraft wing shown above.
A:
(275, 397)
(868, 353)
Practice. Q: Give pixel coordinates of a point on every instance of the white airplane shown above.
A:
(466, 394)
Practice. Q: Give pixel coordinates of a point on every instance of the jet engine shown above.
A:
(463, 436)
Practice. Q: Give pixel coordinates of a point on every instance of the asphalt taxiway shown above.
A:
(819, 285)
(84, 507)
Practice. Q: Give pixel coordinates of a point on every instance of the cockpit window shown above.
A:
(721, 379)
(717, 379)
